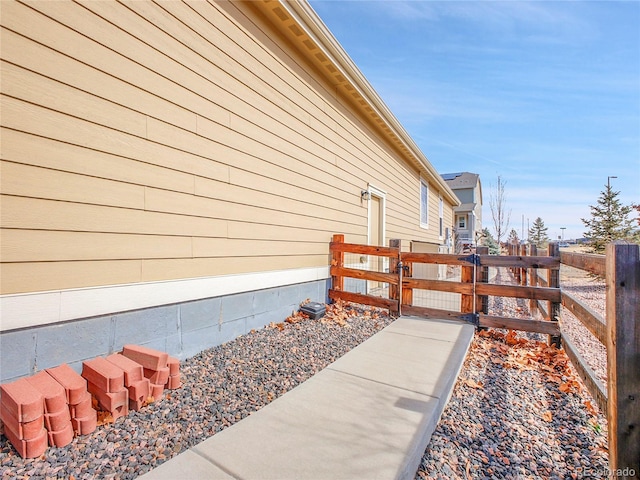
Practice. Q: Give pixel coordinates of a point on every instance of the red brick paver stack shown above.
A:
(137, 386)
(22, 412)
(174, 374)
(154, 364)
(57, 419)
(106, 383)
(84, 418)
(53, 405)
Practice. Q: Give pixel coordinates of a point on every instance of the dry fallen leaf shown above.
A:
(565, 387)
(104, 417)
(473, 384)
(547, 416)
(590, 408)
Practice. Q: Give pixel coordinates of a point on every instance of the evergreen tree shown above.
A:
(489, 241)
(513, 237)
(538, 233)
(609, 221)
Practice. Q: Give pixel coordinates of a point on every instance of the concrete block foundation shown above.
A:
(182, 330)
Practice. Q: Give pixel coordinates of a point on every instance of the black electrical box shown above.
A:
(314, 310)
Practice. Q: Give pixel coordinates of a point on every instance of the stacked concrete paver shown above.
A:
(174, 374)
(57, 419)
(84, 418)
(154, 364)
(51, 406)
(134, 381)
(22, 412)
(106, 383)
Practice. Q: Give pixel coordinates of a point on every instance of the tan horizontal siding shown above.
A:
(25, 180)
(50, 246)
(41, 214)
(45, 152)
(44, 276)
(51, 63)
(150, 141)
(19, 277)
(155, 270)
(27, 117)
(38, 89)
(172, 202)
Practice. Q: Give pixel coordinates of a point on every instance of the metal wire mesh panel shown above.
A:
(433, 298)
(366, 262)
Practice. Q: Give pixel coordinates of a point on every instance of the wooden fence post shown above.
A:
(554, 282)
(623, 358)
(394, 290)
(466, 302)
(518, 271)
(337, 260)
(533, 280)
(524, 251)
(482, 276)
(407, 292)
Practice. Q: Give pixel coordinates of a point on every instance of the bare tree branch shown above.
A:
(501, 216)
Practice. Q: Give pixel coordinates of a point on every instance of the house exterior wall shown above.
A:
(149, 149)
(465, 195)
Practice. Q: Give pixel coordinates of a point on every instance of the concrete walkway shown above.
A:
(369, 415)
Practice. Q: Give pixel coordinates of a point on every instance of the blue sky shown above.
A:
(545, 93)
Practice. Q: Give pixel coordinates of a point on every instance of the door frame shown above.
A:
(382, 196)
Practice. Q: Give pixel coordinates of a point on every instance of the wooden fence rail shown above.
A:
(538, 279)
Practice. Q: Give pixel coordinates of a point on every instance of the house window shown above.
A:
(441, 214)
(424, 204)
(462, 222)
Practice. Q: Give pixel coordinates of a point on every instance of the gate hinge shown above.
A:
(473, 258)
(472, 318)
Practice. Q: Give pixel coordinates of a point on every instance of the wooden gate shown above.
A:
(473, 286)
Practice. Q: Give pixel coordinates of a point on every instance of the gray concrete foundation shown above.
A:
(182, 330)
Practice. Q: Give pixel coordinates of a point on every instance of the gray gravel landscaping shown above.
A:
(221, 386)
(519, 410)
(592, 292)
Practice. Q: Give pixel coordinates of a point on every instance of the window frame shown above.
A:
(441, 215)
(424, 204)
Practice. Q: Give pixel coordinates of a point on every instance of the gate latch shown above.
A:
(401, 266)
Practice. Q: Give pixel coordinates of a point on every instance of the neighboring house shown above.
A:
(468, 215)
(172, 174)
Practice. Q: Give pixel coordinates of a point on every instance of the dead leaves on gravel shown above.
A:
(338, 313)
(510, 351)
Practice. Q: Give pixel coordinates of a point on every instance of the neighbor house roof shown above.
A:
(304, 28)
(461, 179)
